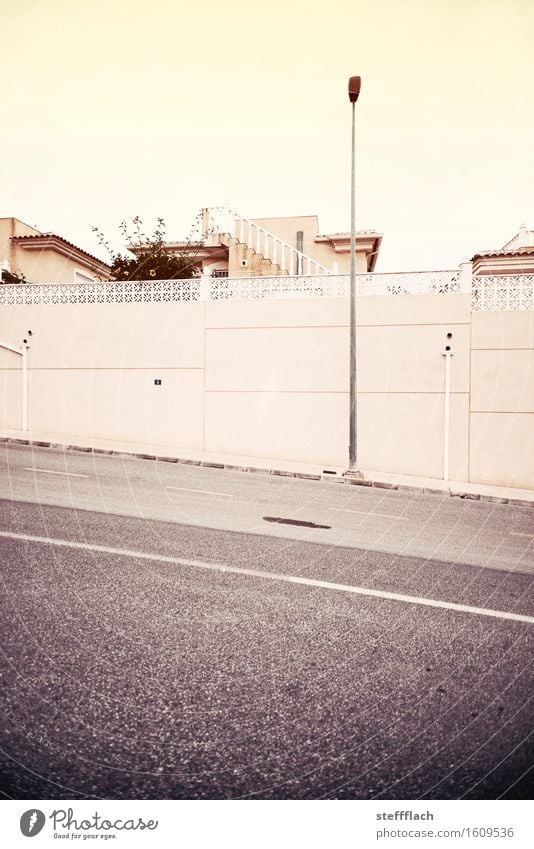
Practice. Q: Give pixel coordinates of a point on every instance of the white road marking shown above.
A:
(367, 513)
(201, 491)
(272, 576)
(519, 534)
(52, 472)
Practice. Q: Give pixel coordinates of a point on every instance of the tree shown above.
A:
(10, 277)
(149, 257)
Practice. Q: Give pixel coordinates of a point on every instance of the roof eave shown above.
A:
(61, 246)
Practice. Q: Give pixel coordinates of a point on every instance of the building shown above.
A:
(515, 257)
(233, 246)
(39, 257)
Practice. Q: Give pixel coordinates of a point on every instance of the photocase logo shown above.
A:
(31, 822)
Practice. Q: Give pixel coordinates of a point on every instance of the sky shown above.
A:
(117, 109)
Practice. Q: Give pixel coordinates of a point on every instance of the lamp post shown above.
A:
(354, 92)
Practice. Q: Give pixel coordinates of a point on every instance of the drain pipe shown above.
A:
(300, 249)
(25, 386)
(447, 353)
(22, 352)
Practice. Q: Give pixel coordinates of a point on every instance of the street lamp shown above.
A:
(354, 92)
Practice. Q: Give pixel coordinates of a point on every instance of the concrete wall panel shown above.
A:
(410, 358)
(278, 359)
(413, 309)
(294, 312)
(110, 335)
(503, 381)
(306, 427)
(502, 449)
(500, 330)
(403, 433)
(10, 398)
(119, 404)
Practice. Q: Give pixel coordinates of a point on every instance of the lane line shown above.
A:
(201, 491)
(272, 576)
(52, 472)
(364, 513)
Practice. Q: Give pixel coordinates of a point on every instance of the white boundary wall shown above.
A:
(260, 369)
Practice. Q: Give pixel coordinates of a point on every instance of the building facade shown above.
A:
(515, 257)
(37, 257)
(233, 246)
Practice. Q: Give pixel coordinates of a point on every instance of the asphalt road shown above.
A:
(160, 639)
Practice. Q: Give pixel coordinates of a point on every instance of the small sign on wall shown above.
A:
(157, 381)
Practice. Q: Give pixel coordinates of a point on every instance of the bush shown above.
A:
(149, 257)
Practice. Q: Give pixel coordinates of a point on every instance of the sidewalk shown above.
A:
(309, 471)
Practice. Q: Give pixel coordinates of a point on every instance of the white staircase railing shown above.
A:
(219, 220)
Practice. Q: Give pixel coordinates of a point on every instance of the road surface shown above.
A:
(162, 639)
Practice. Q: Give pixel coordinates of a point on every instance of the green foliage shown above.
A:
(10, 277)
(148, 257)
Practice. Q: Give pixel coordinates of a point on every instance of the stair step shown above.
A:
(230, 229)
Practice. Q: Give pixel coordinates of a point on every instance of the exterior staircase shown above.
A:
(254, 251)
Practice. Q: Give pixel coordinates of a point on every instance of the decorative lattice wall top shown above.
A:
(503, 292)
(337, 285)
(102, 293)
(241, 288)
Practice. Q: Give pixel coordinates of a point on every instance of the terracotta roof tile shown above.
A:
(526, 251)
(43, 237)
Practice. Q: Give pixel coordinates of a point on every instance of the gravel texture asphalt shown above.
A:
(125, 677)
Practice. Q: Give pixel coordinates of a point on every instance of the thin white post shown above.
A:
(292, 263)
(446, 423)
(24, 388)
(23, 352)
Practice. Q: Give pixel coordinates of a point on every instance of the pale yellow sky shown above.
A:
(112, 109)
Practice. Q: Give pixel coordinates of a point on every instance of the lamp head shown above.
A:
(354, 88)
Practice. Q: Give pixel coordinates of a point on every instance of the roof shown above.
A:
(348, 235)
(341, 243)
(522, 243)
(523, 239)
(58, 243)
(526, 251)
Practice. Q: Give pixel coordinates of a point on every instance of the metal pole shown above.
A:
(352, 355)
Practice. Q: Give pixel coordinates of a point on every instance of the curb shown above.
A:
(328, 476)
(467, 496)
